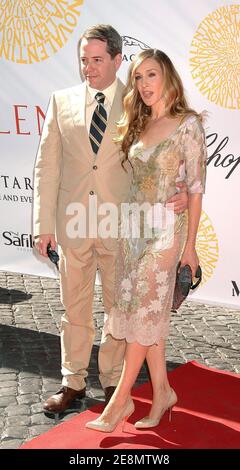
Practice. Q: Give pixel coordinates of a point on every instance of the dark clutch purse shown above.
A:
(184, 283)
(53, 256)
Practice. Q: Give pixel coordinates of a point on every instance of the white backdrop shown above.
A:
(38, 55)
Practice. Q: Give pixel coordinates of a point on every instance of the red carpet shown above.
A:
(206, 416)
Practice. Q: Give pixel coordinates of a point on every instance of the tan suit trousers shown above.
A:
(77, 274)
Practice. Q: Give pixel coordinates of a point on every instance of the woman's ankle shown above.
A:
(161, 395)
(120, 399)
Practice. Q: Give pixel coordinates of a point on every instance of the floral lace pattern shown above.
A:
(146, 267)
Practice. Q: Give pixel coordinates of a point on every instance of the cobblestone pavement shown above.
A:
(30, 312)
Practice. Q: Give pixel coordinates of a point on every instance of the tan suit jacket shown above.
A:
(64, 171)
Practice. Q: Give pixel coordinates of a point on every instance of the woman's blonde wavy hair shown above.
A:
(136, 113)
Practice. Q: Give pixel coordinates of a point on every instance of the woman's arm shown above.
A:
(195, 156)
(194, 212)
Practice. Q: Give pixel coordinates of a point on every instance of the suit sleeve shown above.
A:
(47, 173)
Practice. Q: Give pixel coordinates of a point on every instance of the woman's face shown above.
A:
(149, 81)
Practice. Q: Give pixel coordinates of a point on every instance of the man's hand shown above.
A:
(42, 242)
(180, 199)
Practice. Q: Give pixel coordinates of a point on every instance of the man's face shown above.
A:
(97, 66)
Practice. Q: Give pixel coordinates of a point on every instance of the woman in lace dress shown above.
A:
(164, 141)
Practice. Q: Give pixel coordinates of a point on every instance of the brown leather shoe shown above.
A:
(62, 399)
(108, 392)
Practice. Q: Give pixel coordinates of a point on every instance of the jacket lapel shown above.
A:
(77, 102)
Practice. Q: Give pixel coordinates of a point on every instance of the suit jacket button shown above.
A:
(94, 167)
(91, 192)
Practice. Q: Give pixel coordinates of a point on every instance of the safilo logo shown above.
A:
(131, 47)
(235, 290)
(23, 240)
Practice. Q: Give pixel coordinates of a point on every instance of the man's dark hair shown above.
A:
(105, 33)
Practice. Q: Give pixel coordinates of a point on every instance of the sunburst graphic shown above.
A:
(31, 31)
(207, 247)
(215, 57)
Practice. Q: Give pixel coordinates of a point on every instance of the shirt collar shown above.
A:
(109, 93)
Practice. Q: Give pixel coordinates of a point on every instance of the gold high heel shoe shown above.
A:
(151, 423)
(104, 426)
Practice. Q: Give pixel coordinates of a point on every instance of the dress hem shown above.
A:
(136, 340)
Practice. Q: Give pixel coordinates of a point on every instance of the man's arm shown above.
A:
(46, 181)
(180, 199)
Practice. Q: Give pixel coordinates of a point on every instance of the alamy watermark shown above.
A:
(126, 220)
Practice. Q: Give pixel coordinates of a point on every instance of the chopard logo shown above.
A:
(219, 155)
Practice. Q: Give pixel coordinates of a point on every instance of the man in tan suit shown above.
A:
(71, 174)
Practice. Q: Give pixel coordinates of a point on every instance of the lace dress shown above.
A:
(152, 240)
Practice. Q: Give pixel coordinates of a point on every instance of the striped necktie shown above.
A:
(98, 123)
